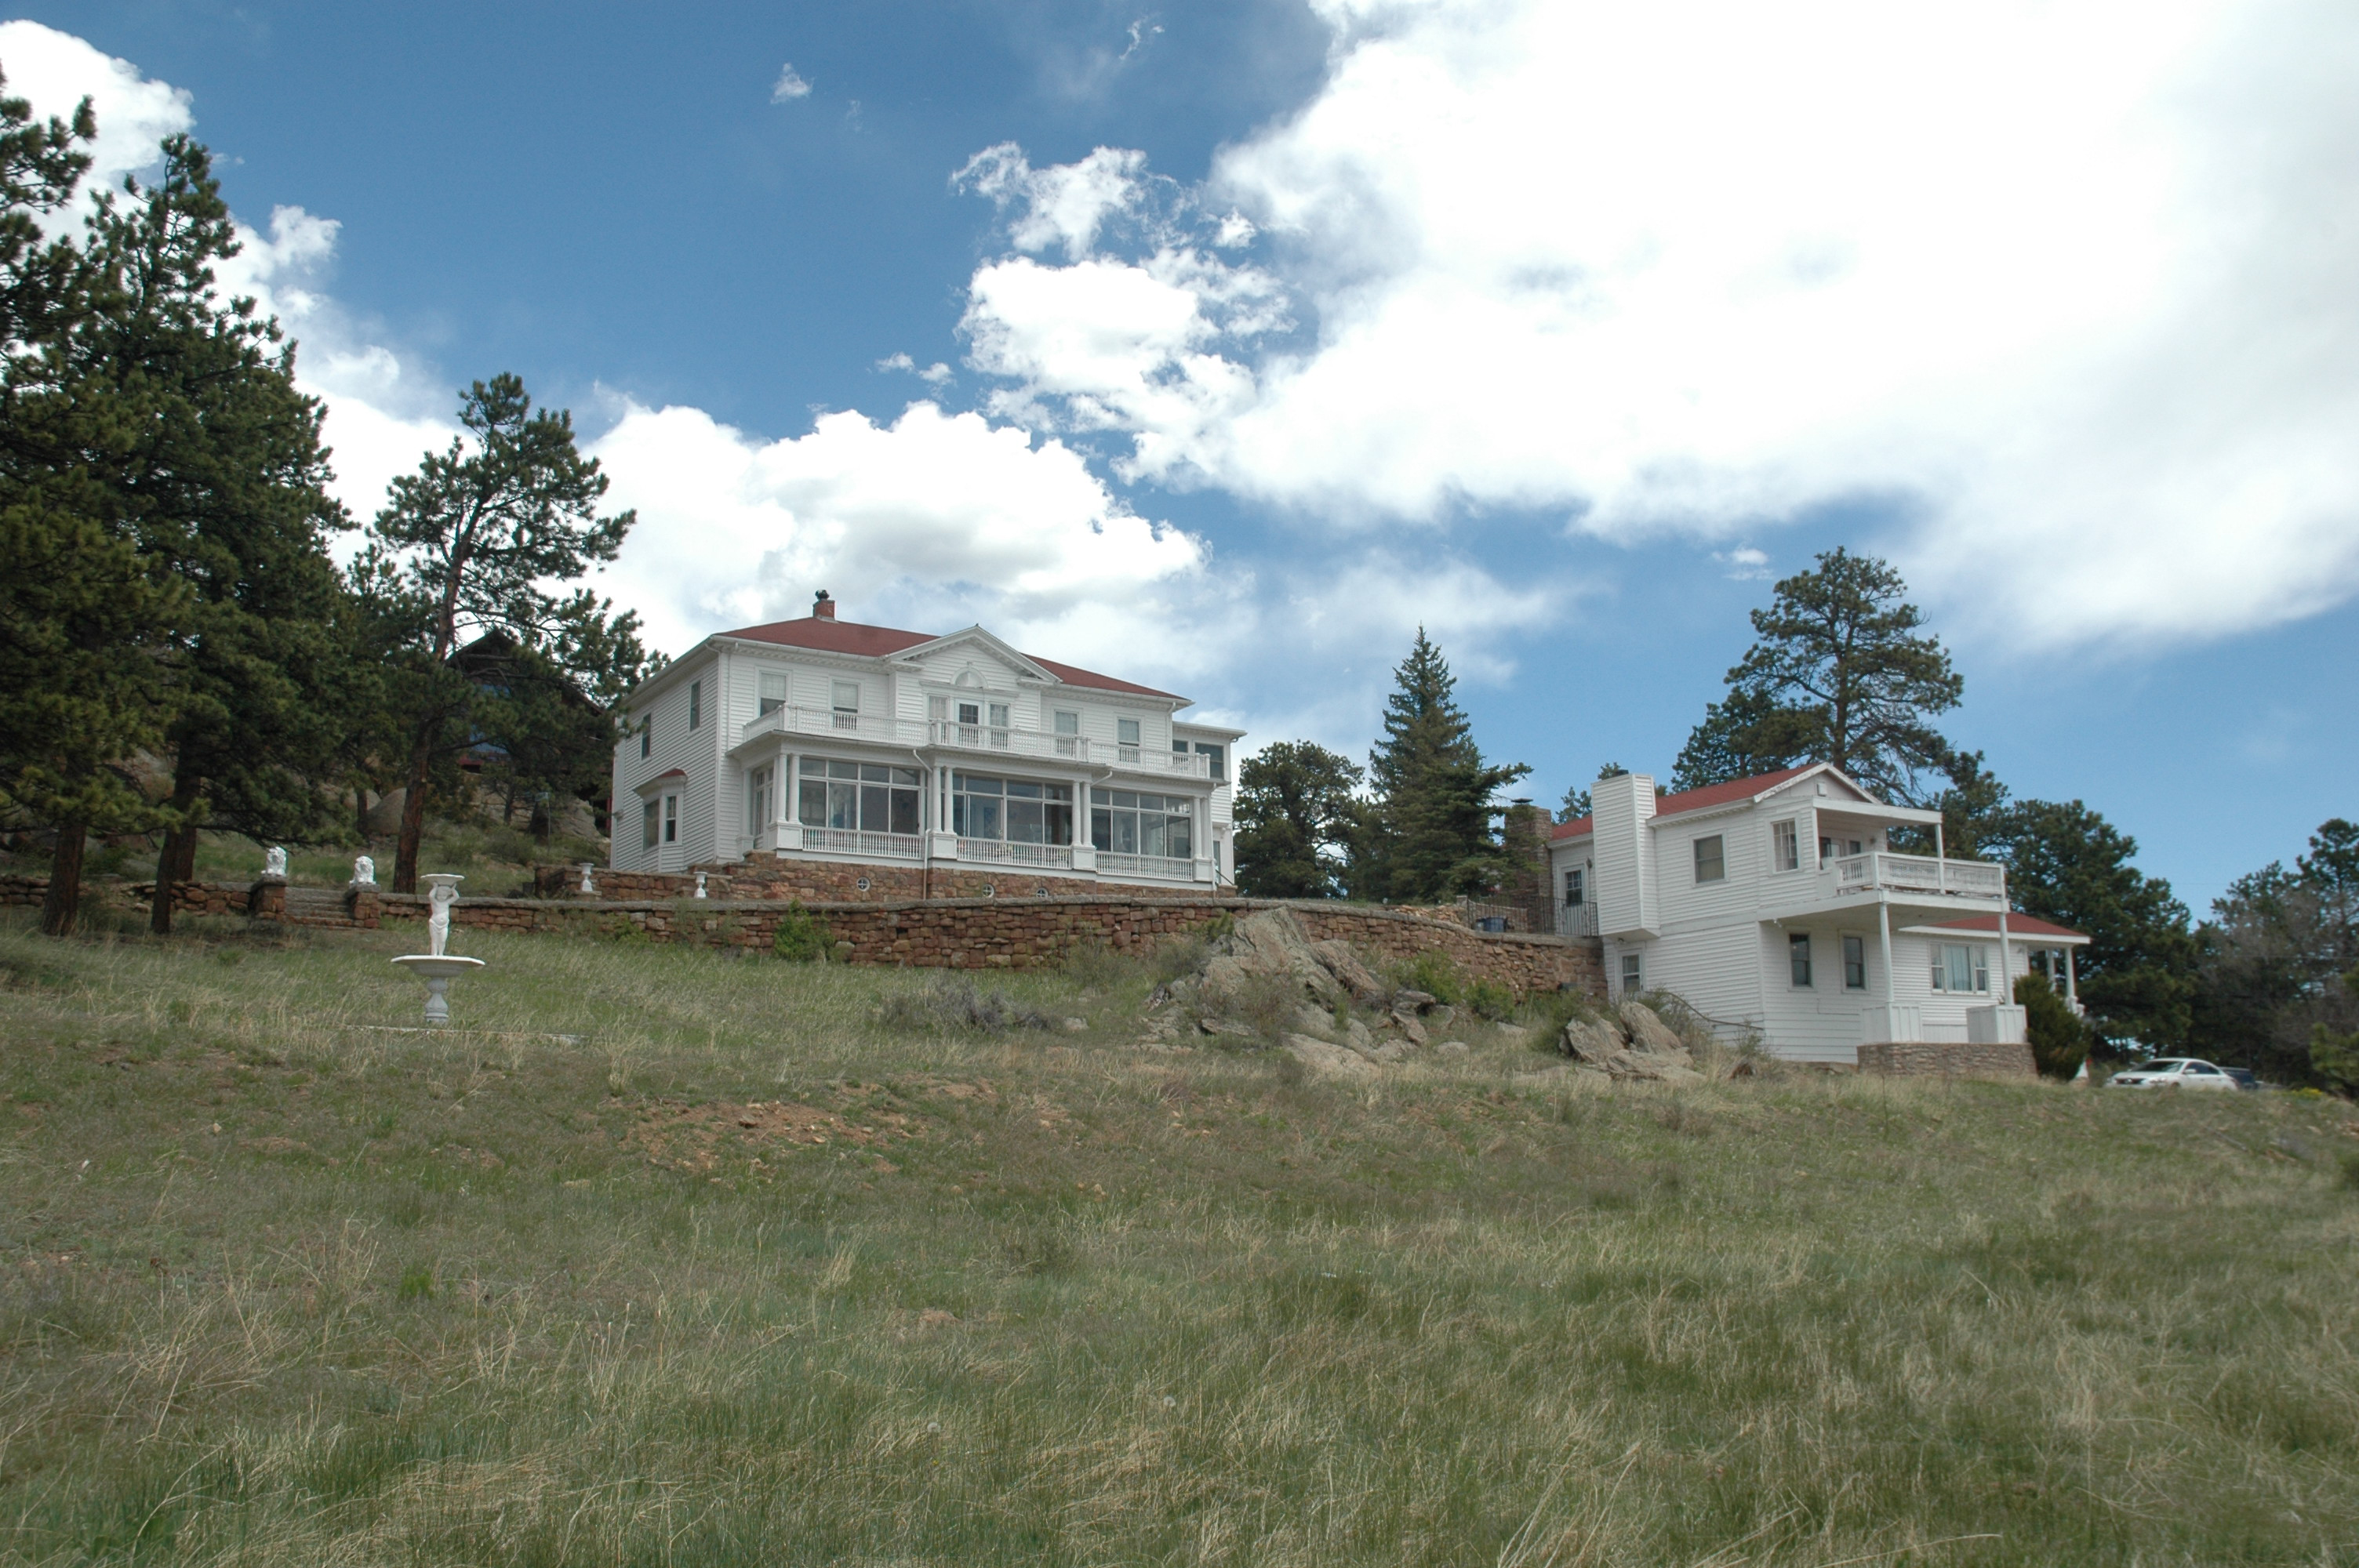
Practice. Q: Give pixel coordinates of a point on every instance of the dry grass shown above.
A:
(684, 1260)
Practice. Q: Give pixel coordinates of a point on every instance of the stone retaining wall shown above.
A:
(1016, 932)
(1917, 1059)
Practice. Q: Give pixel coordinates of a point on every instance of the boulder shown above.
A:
(1406, 1021)
(1406, 1000)
(1319, 1056)
(1648, 1031)
(1352, 975)
(1591, 1041)
(1453, 1048)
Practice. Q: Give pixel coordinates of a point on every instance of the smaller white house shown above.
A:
(1777, 904)
(820, 739)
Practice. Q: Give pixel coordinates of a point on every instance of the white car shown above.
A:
(2173, 1072)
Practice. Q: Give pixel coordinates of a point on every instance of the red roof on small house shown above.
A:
(826, 634)
(1688, 800)
(2016, 926)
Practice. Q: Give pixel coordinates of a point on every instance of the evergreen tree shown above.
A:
(223, 483)
(2058, 1040)
(1841, 673)
(468, 539)
(87, 614)
(1575, 807)
(1295, 806)
(2136, 976)
(2273, 960)
(1429, 832)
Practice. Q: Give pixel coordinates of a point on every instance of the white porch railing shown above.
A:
(1017, 854)
(1163, 866)
(846, 841)
(1919, 873)
(987, 739)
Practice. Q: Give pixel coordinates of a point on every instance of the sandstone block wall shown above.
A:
(1915, 1058)
(1023, 933)
(836, 881)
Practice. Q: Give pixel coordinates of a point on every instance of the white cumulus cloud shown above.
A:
(789, 86)
(2057, 280)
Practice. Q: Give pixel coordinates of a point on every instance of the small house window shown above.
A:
(696, 704)
(1220, 755)
(774, 692)
(650, 817)
(1785, 844)
(1798, 957)
(1126, 735)
(1573, 891)
(847, 705)
(999, 724)
(1711, 859)
(1855, 963)
(645, 727)
(757, 800)
(1633, 977)
(1959, 968)
(671, 819)
(1069, 733)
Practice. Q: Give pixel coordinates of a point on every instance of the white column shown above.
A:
(1884, 947)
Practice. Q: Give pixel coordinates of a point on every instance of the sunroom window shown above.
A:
(1132, 822)
(1020, 811)
(865, 798)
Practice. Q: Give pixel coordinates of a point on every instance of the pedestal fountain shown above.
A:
(435, 966)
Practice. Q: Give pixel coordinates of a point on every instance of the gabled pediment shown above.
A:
(974, 660)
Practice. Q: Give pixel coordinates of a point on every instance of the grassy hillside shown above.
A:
(679, 1259)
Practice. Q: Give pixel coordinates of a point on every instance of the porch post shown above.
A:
(2005, 997)
(2071, 994)
(1884, 945)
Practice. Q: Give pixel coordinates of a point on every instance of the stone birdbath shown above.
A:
(435, 966)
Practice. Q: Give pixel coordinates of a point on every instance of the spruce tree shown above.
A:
(1428, 833)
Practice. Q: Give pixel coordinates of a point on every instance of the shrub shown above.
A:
(1489, 999)
(1432, 972)
(801, 937)
(2059, 1040)
(2349, 1162)
(955, 1003)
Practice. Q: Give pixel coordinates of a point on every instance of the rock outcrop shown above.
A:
(1632, 1044)
(1318, 1002)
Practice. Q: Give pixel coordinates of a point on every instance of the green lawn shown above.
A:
(675, 1259)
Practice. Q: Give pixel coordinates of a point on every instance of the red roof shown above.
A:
(1695, 799)
(832, 636)
(2016, 926)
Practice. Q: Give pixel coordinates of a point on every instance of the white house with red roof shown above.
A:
(1776, 904)
(822, 739)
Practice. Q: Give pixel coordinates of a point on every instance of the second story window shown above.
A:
(1711, 859)
(1574, 893)
(1798, 957)
(846, 702)
(646, 729)
(1785, 846)
(1068, 734)
(1220, 755)
(1126, 738)
(774, 692)
(696, 704)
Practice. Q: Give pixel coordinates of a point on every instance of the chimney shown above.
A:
(822, 608)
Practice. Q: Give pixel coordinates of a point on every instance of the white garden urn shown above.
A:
(435, 966)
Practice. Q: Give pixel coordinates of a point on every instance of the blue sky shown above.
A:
(1260, 333)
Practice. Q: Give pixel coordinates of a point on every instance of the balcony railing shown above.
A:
(1577, 920)
(989, 739)
(1014, 854)
(1921, 874)
(1161, 866)
(846, 841)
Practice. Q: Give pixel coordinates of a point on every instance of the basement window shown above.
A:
(1711, 858)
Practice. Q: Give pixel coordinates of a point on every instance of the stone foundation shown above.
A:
(1918, 1058)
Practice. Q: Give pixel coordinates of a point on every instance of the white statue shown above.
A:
(274, 864)
(588, 890)
(700, 884)
(440, 897)
(364, 872)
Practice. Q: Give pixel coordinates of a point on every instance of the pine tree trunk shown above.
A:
(63, 904)
(175, 865)
(360, 813)
(413, 813)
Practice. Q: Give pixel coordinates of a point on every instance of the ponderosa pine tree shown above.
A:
(1841, 673)
(1295, 805)
(86, 616)
(224, 482)
(471, 538)
(1428, 833)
